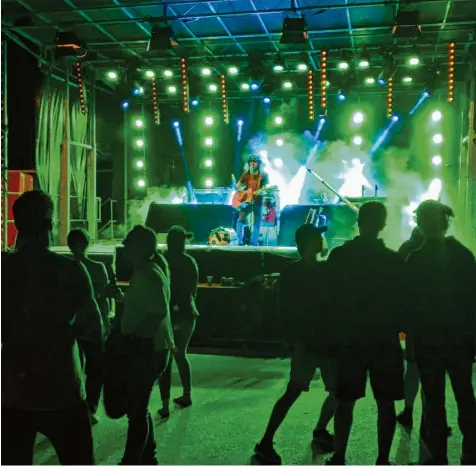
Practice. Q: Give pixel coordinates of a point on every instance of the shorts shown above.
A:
(383, 363)
(303, 368)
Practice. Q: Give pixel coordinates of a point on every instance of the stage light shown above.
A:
(395, 118)
(263, 153)
(232, 70)
(171, 89)
(278, 163)
(302, 67)
(279, 142)
(266, 100)
(245, 87)
(139, 164)
(155, 103)
(209, 183)
(390, 98)
(437, 160)
(194, 102)
(436, 115)
(168, 73)
(413, 60)
(208, 163)
(324, 80)
(162, 36)
(437, 138)
(287, 85)
(149, 74)
(254, 86)
(185, 89)
(209, 121)
(139, 142)
(138, 91)
(451, 71)
(278, 66)
(407, 80)
(341, 96)
(139, 123)
(209, 142)
(343, 65)
(224, 100)
(176, 124)
(206, 72)
(310, 95)
(423, 97)
(364, 63)
(79, 77)
(278, 120)
(112, 76)
(358, 118)
(125, 105)
(357, 140)
(240, 122)
(369, 81)
(212, 87)
(141, 183)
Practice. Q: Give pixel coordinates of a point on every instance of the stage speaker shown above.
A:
(340, 221)
(200, 219)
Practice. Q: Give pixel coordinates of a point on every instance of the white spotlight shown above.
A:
(358, 118)
(357, 140)
(279, 142)
(436, 115)
(437, 160)
(278, 163)
(437, 138)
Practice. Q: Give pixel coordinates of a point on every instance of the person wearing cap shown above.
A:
(253, 179)
(146, 321)
(366, 318)
(301, 303)
(441, 319)
(184, 314)
(47, 305)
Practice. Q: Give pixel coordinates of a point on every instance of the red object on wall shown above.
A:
(11, 200)
(19, 182)
(12, 234)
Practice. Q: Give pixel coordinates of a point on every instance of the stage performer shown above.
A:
(252, 180)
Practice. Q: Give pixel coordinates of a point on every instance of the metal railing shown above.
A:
(111, 222)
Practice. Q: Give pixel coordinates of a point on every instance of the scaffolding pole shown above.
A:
(126, 169)
(91, 213)
(4, 147)
(65, 182)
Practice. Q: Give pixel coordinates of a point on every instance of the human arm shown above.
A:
(194, 277)
(242, 181)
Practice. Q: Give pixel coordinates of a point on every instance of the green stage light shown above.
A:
(287, 85)
(209, 142)
(206, 72)
(209, 183)
(436, 116)
(168, 73)
(171, 89)
(413, 60)
(437, 138)
(112, 75)
(209, 121)
(407, 80)
(358, 118)
(140, 143)
(357, 140)
(437, 160)
(364, 63)
(140, 164)
(343, 65)
(245, 87)
(369, 81)
(278, 120)
(138, 123)
(278, 68)
(212, 87)
(208, 163)
(302, 67)
(149, 74)
(141, 183)
(232, 70)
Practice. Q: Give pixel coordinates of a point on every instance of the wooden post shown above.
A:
(91, 169)
(65, 180)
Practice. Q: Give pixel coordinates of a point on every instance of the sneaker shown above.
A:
(266, 454)
(323, 441)
(164, 413)
(183, 401)
(335, 460)
(405, 418)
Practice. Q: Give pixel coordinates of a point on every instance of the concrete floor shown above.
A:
(232, 401)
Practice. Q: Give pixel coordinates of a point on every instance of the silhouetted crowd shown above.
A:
(61, 348)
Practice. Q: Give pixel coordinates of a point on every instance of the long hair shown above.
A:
(161, 261)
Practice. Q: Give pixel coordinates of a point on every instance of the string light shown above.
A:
(185, 96)
(451, 71)
(310, 94)
(390, 98)
(79, 77)
(224, 102)
(154, 102)
(324, 79)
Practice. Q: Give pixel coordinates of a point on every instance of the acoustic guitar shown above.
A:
(244, 197)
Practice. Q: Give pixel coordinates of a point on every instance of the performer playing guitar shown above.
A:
(253, 179)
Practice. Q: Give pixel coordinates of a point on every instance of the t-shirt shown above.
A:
(442, 284)
(47, 303)
(146, 307)
(183, 285)
(367, 293)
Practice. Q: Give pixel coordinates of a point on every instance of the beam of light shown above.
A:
(354, 179)
(239, 132)
(433, 193)
(176, 200)
(320, 126)
(384, 135)
(178, 133)
(190, 191)
(422, 99)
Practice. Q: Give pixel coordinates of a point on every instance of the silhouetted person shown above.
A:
(442, 321)
(47, 303)
(146, 321)
(78, 242)
(300, 309)
(368, 278)
(183, 312)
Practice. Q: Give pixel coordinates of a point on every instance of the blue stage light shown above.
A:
(254, 86)
(194, 102)
(395, 118)
(176, 124)
(341, 97)
(240, 122)
(266, 100)
(125, 105)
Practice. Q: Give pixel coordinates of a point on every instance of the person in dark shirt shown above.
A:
(47, 304)
(184, 314)
(300, 296)
(253, 179)
(441, 320)
(366, 317)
